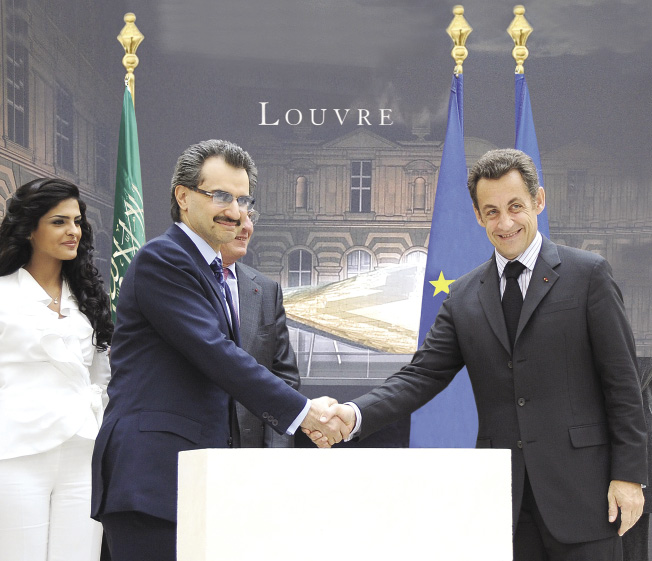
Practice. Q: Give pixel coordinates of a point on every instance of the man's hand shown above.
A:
(330, 430)
(341, 415)
(629, 497)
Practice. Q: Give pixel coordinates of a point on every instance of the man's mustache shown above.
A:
(227, 219)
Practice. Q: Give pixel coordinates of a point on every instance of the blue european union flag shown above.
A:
(457, 245)
(526, 137)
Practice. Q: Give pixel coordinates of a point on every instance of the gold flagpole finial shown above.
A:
(458, 30)
(519, 30)
(130, 37)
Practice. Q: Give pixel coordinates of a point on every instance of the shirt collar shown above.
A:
(34, 290)
(231, 269)
(206, 250)
(528, 257)
(31, 288)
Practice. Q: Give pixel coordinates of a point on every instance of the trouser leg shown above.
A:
(135, 536)
(74, 535)
(25, 489)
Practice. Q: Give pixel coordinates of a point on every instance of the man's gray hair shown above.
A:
(187, 171)
(496, 163)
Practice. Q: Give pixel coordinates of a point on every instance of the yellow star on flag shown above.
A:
(441, 284)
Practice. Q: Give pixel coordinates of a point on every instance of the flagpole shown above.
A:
(519, 30)
(456, 245)
(130, 37)
(525, 135)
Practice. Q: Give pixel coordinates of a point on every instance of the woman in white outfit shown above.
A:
(55, 329)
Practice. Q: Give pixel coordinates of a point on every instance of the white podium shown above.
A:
(368, 504)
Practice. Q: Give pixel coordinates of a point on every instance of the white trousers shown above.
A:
(45, 504)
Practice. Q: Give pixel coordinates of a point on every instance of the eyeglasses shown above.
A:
(253, 215)
(224, 199)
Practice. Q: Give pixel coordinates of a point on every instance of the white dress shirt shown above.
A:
(528, 258)
(52, 379)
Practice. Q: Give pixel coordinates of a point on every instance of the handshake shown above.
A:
(328, 422)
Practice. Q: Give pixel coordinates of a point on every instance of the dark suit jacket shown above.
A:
(174, 369)
(566, 402)
(264, 335)
(645, 372)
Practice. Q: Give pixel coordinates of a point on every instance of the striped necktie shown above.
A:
(216, 267)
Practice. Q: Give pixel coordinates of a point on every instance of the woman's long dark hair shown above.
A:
(24, 210)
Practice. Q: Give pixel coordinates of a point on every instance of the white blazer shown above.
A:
(52, 379)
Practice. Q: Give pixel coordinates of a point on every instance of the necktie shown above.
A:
(216, 267)
(227, 273)
(218, 271)
(512, 298)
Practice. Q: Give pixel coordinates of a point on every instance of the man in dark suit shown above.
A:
(555, 382)
(176, 364)
(258, 301)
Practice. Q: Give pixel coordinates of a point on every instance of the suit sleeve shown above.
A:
(614, 353)
(432, 368)
(172, 296)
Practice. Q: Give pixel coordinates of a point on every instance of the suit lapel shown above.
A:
(489, 295)
(543, 279)
(251, 298)
(180, 237)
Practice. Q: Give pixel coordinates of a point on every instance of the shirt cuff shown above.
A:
(297, 422)
(358, 421)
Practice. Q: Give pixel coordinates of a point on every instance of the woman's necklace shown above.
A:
(55, 299)
(59, 285)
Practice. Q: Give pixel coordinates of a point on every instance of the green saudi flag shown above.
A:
(128, 216)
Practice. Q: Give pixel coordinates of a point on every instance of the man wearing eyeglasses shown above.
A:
(176, 361)
(258, 301)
